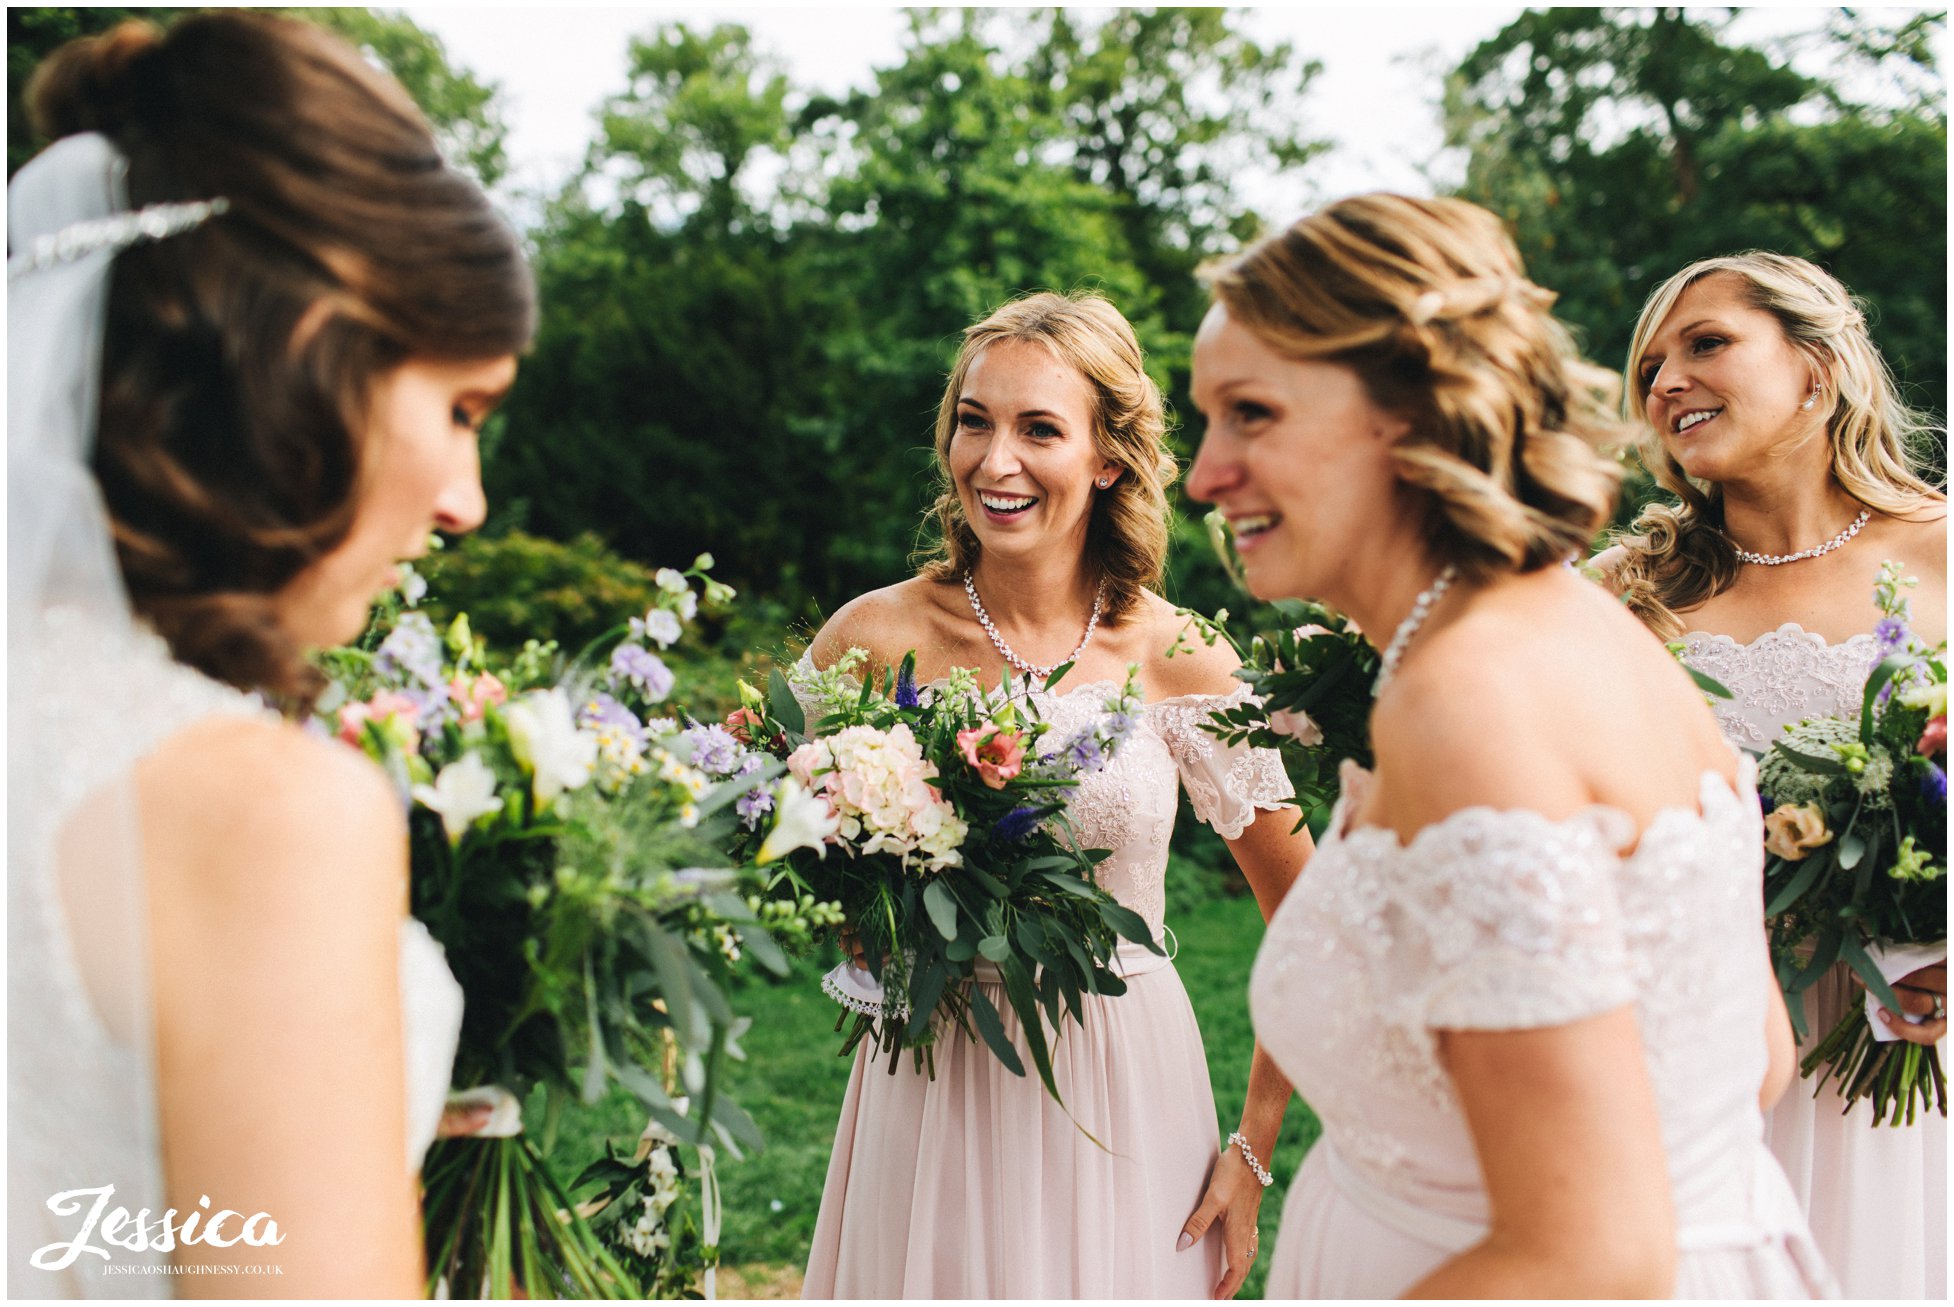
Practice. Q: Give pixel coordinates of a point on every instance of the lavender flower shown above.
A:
(1082, 751)
(713, 750)
(1015, 825)
(644, 669)
(413, 648)
(752, 806)
(1891, 632)
(1119, 725)
(906, 696)
(601, 712)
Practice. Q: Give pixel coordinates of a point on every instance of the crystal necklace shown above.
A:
(1816, 551)
(1011, 655)
(1421, 607)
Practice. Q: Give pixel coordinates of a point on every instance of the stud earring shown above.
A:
(1103, 482)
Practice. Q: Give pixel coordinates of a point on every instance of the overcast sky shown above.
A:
(1376, 99)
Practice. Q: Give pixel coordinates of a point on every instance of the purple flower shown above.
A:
(1015, 825)
(644, 669)
(600, 712)
(752, 806)
(1933, 786)
(1082, 751)
(413, 648)
(713, 750)
(1119, 725)
(906, 684)
(1891, 633)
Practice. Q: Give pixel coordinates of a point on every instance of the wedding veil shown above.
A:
(82, 1112)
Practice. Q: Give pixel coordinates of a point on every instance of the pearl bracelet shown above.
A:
(1240, 1141)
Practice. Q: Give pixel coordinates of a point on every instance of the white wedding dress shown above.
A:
(1506, 920)
(975, 1184)
(80, 1114)
(1876, 1195)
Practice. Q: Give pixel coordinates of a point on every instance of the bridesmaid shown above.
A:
(1523, 983)
(975, 1184)
(1776, 424)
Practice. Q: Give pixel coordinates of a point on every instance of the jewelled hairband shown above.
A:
(116, 232)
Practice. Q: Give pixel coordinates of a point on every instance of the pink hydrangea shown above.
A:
(878, 785)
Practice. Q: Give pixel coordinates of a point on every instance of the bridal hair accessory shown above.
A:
(1816, 551)
(1010, 654)
(1421, 607)
(1238, 1140)
(115, 233)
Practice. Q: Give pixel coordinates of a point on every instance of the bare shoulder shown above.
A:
(886, 622)
(261, 817)
(1195, 666)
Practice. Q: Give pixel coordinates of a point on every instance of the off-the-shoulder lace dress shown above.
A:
(1505, 920)
(1876, 1195)
(975, 1184)
(76, 1118)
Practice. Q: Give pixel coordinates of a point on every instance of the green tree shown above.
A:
(465, 111)
(1623, 144)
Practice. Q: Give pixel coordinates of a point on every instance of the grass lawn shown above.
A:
(792, 1083)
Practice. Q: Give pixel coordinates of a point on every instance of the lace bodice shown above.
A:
(1781, 678)
(1130, 806)
(79, 1112)
(1505, 920)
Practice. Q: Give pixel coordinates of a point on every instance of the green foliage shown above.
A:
(753, 293)
(464, 110)
(1623, 144)
(519, 587)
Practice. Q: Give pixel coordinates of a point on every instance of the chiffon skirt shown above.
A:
(977, 1185)
(1876, 1195)
(1342, 1239)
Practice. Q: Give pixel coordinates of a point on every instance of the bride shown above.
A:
(975, 1184)
(254, 325)
(1524, 983)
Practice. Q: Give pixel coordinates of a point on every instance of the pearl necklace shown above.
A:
(1421, 607)
(1030, 669)
(1817, 551)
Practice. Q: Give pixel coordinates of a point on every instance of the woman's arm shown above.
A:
(1270, 857)
(1779, 1043)
(1564, 1121)
(279, 873)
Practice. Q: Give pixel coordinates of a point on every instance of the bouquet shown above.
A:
(938, 819)
(1856, 830)
(564, 848)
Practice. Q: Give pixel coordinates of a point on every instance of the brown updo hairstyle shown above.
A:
(1677, 555)
(239, 359)
(1126, 537)
(1427, 302)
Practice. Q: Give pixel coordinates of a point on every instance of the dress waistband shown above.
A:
(1774, 1213)
(1130, 961)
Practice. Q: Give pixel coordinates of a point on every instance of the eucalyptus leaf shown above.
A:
(942, 908)
(992, 1030)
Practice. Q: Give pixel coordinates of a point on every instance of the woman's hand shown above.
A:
(1234, 1197)
(1922, 993)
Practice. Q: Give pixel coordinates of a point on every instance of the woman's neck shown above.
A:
(1036, 593)
(1782, 510)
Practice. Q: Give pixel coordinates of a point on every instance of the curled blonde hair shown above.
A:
(1126, 538)
(1428, 303)
(1677, 556)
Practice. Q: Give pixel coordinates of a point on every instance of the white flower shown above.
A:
(545, 737)
(688, 605)
(461, 795)
(703, 563)
(801, 821)
(1931, 696)
(670, 581)
(660, 625)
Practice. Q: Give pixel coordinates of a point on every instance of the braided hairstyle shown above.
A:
(1126, 538)
(1677, 556)
(1427, 302)
(239, 359)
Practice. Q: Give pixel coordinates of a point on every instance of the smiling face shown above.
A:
(1297, 457)
(1723, 387)
(423, 472)
(1022, 453)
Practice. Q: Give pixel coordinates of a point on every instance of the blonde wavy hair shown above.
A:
(1677, 556)
(1427, 301)
(1126, 538)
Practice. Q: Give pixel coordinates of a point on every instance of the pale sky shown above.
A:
(1376, 99)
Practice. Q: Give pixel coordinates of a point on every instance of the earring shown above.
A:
(1810, 400)
(1103, 482)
